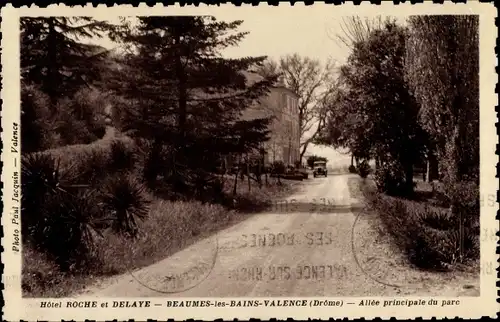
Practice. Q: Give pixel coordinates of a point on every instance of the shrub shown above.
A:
(67, 228)
(293, 176)
(364, 169)
(88, 163)
(437, 248)
(463, 198)
(390, 179)
(122, 157)
(73, 120)
(278, 167)
(125, 199)
(66, 124)
(88, 106)
(41, 178)
(93, 165)
(35, 108)
(431, 237)
(352, 169)
(440, 220)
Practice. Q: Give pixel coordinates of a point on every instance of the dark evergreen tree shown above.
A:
(188, 99)
(54, 56)
(56, 65)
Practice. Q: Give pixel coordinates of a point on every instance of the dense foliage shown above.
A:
(169, 80)
(409, 98)
(59, 101)
(401, 101)
(186, 84)
(442, 63)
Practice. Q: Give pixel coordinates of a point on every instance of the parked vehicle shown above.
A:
(303, 173)
(320, 169)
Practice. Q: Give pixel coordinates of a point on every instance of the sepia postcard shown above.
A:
(207, 162)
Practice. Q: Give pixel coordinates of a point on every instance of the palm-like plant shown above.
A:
(125, 199)
(41, 174)
(41, 178)
(67, 229)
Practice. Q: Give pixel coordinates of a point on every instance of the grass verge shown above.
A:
(431, 236)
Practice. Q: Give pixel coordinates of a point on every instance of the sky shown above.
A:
(309, 31)
(293, 32)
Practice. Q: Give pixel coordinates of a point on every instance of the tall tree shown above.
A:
(354, 29)
(56, 65)
(442, 63)
(191, 97)
(55, 57)
(376, 115)
(315, 85)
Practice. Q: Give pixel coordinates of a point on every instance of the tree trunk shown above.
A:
(152, 168)
(352, 160)
(238, 161)
(433, 167)
(259, 173)
(248, 176)
(409, 179)
(235, 183)
(427, 174)
(182, 95)
(51, 82)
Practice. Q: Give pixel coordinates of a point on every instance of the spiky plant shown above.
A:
(67, 230)
(40, 173)
(41, 178)
(125, 200)
(441, 220)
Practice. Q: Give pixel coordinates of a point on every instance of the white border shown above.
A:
(28, 309)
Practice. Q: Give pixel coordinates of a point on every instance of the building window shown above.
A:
(283, 102)
(290, 105)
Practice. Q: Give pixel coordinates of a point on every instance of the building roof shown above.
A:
(253, 77)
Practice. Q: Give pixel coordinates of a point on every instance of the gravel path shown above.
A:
(313, 247)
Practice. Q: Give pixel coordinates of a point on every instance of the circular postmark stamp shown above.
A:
(181, 271)
(370, 255)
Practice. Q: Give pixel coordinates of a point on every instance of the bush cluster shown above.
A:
(431, 237)
(278, 168)
(70, 197)
(390, 178)
(47, 125)
(364, 169)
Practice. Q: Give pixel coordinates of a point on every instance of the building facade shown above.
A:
(281, 104)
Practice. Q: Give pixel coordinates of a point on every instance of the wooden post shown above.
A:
(236, 179)
(248, 174)
(427, 170)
